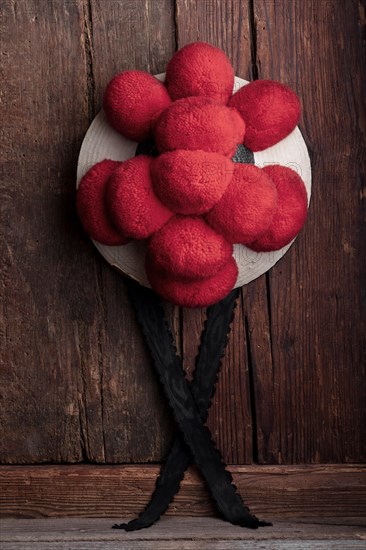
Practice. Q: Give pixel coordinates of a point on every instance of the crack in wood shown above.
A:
(88, 49)
(252, 392)
(91, 86)
(269, 308)
(176, 25)
(253, 40)
(102, 322)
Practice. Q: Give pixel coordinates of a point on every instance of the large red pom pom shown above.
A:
(133, 205)
(132, 101)
(291, 210)
(247, 207)
(200, 69)
(191, 182)
(270, 110)
(91, 204)
(188, 248)
(199, 123)
(201, 293)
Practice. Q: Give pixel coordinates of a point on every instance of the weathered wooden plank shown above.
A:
(69, 334)
(130, 34)
(257, 326)
(317, 387)
(224, 24)
(77, 380)
(192, 545)
(169, 533)
(136, 420)
(179, 528)
(50, 310)
(296, 492)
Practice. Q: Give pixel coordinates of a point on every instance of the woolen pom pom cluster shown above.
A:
(192, 202)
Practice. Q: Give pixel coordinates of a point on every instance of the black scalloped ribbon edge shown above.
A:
(188, 414)
(208, 362)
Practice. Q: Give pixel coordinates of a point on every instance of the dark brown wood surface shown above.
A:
(316, 295)
(319, 492)
(76, 380)
(171, 533)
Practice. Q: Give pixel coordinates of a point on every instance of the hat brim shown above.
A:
(103, 142)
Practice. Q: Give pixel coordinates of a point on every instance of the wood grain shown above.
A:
(136, 420)
(316, 386)
(170, 533)
(76, 380)
(191, 545)
(50, 311)
(77, 383)
(225, 25)
(296, 492)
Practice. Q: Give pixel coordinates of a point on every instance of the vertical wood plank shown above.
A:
(137, 422)
(224, 24)
(260, 364)
(316, 291)
(50, 315)
(76, 380)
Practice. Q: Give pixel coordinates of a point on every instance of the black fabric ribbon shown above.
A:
(190, 403)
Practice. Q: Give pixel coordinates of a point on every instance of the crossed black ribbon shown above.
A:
(190, 403)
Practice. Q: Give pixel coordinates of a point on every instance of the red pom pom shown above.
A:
(132, 101)
(291, 210)
(201, 293)
(199, 123)
(247, 207)
(188, 248)
(270, 110)
(200, 69)
(133, 205)
(191, 182)
(91, 204)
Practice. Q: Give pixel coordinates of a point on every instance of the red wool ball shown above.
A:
(132, 203)
(247, 207)
(92, 207)
(291, 210)
(200, 293)
(200, 69)
(132, 101)
(199, 123)
(188, 248)
(270, 110)
(191, 182)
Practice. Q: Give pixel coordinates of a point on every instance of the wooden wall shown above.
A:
(76, 380)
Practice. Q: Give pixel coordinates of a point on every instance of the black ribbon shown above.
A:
(190, 403)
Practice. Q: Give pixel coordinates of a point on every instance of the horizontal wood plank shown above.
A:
(337, 491)
(186, 533)
(192, 545)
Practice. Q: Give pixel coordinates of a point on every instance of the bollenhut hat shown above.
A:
(220, 197)
(193, 183)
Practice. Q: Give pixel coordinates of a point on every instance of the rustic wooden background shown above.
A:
(77, 384)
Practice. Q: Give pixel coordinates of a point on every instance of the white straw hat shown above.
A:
(102, 141)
